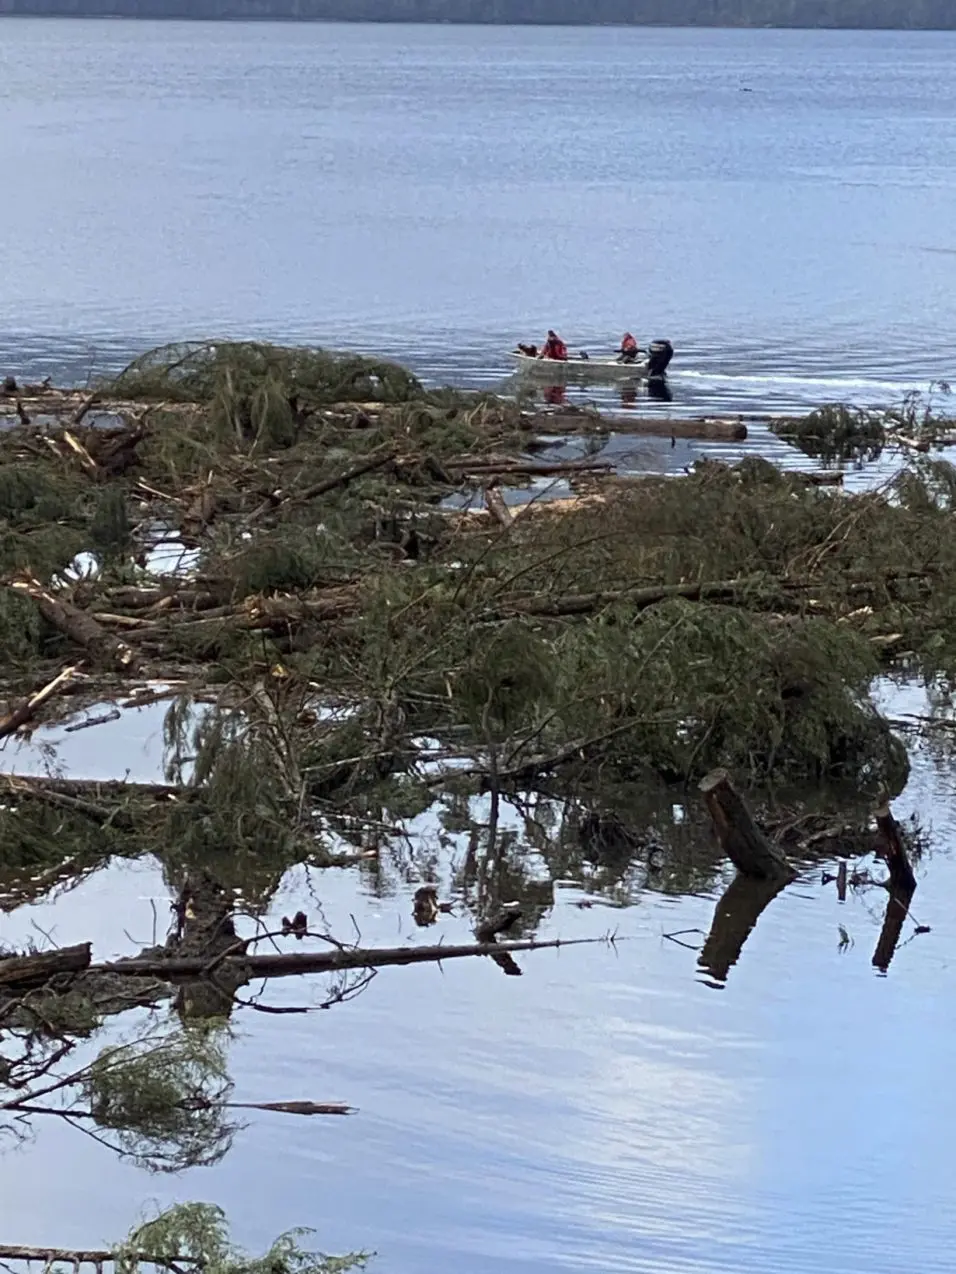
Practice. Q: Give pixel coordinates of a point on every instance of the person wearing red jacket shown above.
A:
(628, 351)
(554, 348)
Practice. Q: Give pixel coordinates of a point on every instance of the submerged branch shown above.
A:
(282, 966)
(99, 1257)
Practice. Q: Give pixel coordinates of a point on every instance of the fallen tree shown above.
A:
(192, 1237)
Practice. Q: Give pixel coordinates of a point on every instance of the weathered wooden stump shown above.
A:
(740, 838)
(893, 852)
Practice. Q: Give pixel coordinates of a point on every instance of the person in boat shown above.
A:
(628, 351)
(554, 348)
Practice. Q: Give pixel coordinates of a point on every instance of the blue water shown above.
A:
(436, 192)
(780, 204)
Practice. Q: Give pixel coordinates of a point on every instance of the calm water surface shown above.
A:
(780, 204)
(610, 1110)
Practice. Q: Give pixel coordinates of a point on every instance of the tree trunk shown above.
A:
(740, 838)
(80, 627)
(178, 969)
(658, 427)
(22, 972)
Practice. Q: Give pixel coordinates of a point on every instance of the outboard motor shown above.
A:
(659, 355)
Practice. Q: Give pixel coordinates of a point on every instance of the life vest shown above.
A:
(556, 349)
(628, 343)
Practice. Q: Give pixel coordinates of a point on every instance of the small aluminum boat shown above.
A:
(650, 365)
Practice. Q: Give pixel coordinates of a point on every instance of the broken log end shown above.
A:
(739, 836)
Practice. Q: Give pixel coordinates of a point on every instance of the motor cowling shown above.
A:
(659, 355)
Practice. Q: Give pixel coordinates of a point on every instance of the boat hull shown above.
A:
(556, 371)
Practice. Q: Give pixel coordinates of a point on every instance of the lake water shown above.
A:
(782, 206)
(610, 1110)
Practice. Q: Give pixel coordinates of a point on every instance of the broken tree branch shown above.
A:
(80, 627)
(26, 710)
(91, 1256)
(282, 966)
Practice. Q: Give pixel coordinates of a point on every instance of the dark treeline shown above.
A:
(911, 14)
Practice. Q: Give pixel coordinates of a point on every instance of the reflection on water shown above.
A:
(604, 1110)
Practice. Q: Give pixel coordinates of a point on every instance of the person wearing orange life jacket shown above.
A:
(628, 351)
(554, 348)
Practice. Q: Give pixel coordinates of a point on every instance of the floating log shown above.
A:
(506, 465)
(284, 966)
(99, 1257)
(565, 422)
(740, 838)
(20, 973)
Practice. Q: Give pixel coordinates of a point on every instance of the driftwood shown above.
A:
(19, 973)
(740, 838)
(80, 627)
(27, 1107)
(566, 422)
(223, 972)
(92, 1256)
(506, 465)
(294, 1107)
(25, 711)
(377, 459)
(284, 966)
(84, 407)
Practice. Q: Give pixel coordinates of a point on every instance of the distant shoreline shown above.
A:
(849, 15)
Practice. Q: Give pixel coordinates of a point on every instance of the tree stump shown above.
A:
(740, 838)
(893, 852)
